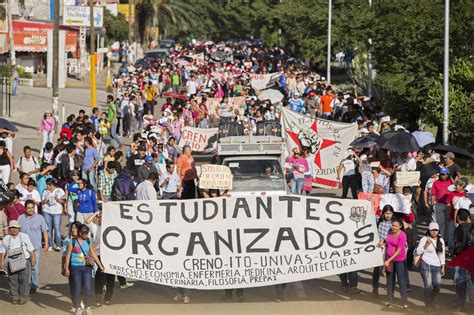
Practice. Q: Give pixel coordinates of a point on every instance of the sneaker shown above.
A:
(178, 297)
(388, 304)
(23, 302)
(15, 301)
(405, 307)
(32, 290)
(50, 249)
(56, 249)
(78, 311)
(108, 302)
(88, 311)
(354, 290)
(187, 300)
(127, 285)
(98, 304)
(279, 300)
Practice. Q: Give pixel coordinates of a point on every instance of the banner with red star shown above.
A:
(327, 142)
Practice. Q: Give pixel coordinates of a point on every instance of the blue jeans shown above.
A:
(431, 276)
(297, 185)
(203, 123)
(90, 177)
(53, 221)
(349, 279)
(450, 224)
(35, 269)
(441, 210)
(398, 268)
(81, 286)
(115, 139)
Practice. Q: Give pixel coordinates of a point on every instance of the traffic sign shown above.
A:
(80, 16)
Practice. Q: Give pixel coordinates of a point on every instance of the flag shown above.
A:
(465, 260)
(327, 141)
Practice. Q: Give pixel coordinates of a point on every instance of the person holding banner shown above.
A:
(347, 168)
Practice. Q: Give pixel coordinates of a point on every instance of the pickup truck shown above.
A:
(255, 162)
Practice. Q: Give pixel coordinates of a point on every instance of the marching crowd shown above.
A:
(88, 164)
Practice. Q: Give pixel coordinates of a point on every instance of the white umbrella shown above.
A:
(273, 95)
(424, 137)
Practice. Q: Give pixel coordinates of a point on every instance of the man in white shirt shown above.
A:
(146, 189)
(169, 183)
(27, 163)
(20, 280)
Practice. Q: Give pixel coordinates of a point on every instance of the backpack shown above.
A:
(123, 189)
(468, 238)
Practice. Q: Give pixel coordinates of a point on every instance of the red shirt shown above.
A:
(451, 196)
(440, 190)
(13, 211)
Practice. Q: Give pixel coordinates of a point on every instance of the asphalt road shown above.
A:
(317, 296)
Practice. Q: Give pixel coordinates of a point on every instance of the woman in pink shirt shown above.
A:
(47, 128)
(297, 166)
(395, 256)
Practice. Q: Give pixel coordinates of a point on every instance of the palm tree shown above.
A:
(163, 15)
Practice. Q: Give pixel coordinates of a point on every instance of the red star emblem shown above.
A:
(326, 143)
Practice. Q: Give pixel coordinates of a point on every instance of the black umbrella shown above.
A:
(459, 152)
(5, 124)
(366, 141)
(399, 141)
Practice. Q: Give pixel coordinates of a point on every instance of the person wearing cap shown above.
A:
(454, 169)
(439, 195)
(136, 160)
(457, 192)
(87, 200)
(347, 168)
(34, 225)
(19, 281)
(15, 208)
(296, 103)
(146, 169)
(431, 249)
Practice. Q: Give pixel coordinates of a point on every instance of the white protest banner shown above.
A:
(238, 242)
(327, 141)
(263, 81)
(215, 177)
(408, 179)
(200, 139)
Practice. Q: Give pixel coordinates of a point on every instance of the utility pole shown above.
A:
(328, 76)
(10, 33)
(56, 61)
(130, 25)
(369, 61)
(93, 101)
(446, 75)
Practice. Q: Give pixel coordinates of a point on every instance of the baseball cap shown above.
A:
(444, 171)
(433, 226)
(449, 155)
(148, 159)
(14, 224)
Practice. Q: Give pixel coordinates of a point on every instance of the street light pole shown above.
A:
(446, 75)
(369, 62)
(10, 33)
(93, 59)
(55, 75)
(328, 76)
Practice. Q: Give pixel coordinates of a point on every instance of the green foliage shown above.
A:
(116, 26)
(461, 102)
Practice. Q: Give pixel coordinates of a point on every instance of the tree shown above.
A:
(461, 103)
(116, 27)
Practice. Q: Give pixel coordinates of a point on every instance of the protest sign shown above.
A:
(408, 179)
(238, 242)
(200, 139)
(373, 198)
(327, 141)
(399, 202)
(263, 81)
(236, 102)
(215, 177)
